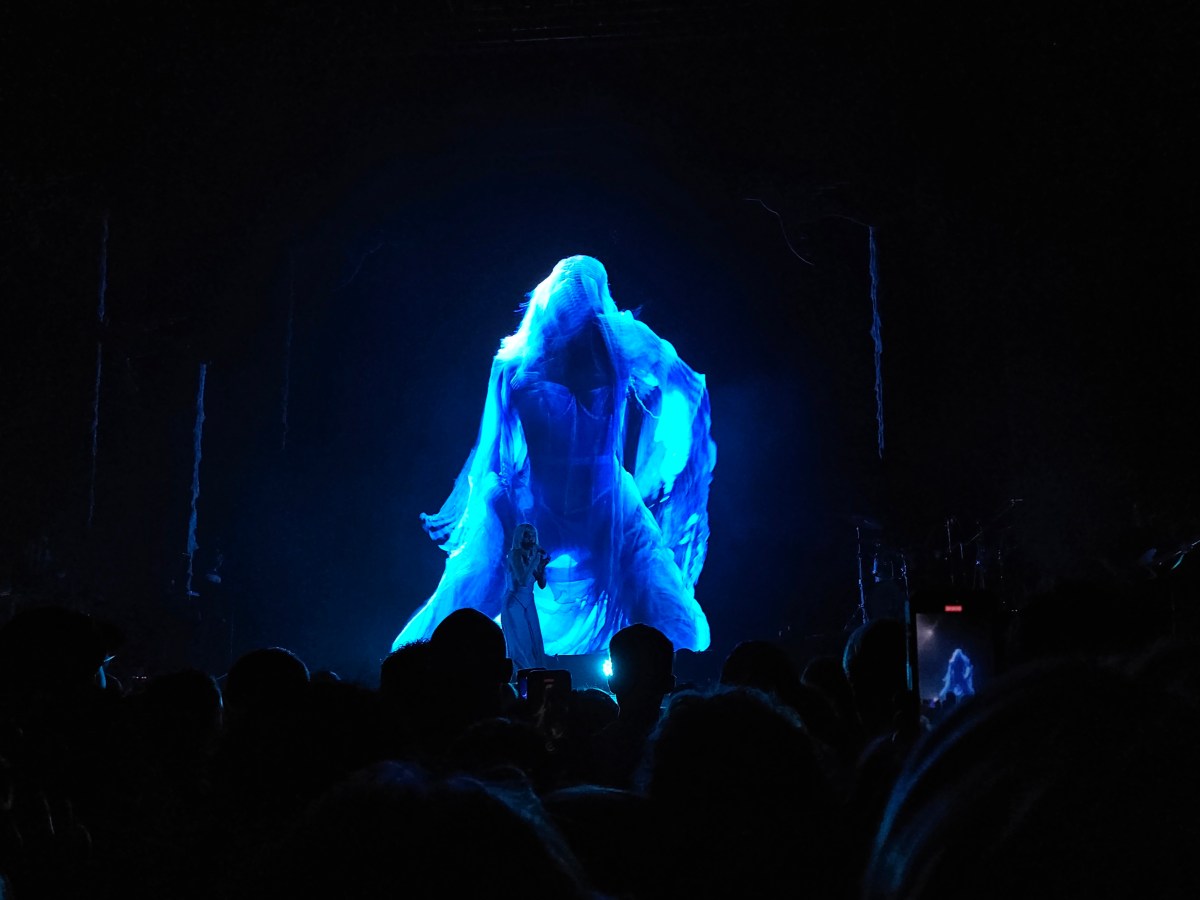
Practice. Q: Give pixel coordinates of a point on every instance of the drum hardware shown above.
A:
(862, 594)
(861, 524)
(888, 570)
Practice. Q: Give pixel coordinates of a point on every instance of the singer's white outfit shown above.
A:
(518, 613)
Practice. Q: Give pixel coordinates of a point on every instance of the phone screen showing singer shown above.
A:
(955, 654)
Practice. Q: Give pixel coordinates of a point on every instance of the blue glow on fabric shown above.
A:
(674, 431)
(627, 537)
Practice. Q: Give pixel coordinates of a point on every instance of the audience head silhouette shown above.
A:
(876, 665)
(642, 666)
(1062, 780)
(268, 676)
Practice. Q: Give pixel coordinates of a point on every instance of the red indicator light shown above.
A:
(954, 607)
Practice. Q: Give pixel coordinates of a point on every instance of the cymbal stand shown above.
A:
(979, 570)
(862, 595)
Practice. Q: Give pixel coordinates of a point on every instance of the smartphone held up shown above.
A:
(953, 646)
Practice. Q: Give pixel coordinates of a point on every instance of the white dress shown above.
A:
(518, 614)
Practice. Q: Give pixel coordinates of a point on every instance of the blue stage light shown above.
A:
(606, 668)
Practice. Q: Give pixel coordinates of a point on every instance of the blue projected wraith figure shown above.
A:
(595, 432)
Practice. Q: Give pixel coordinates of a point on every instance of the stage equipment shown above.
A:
(964, 554)
(889, 581)
(861, 523)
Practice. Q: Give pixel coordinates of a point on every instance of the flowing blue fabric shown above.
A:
(578, 389)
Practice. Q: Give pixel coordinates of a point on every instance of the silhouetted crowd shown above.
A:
(1072, 774)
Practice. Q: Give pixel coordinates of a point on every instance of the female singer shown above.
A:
(526, 565)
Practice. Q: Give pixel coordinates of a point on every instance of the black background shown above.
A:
(399, 177)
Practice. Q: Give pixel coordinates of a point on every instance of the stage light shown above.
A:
(606, 668)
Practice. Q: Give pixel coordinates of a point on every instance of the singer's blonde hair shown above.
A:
(519, 534)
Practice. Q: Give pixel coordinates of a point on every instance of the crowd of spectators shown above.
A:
(1073, 774)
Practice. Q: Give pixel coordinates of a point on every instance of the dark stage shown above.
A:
(335, 215)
